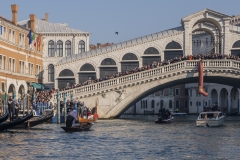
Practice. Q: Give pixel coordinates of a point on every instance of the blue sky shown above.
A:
(131, 18)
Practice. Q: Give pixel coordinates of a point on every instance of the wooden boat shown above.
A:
(78, 128)
(94, 119)
(164, 121)
(11, 124)
(211, 118)
(35, 121)
(178, 114)
(4, 117)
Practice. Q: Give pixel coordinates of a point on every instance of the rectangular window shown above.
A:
(177, 91)
(190, 92)
(13, 65)
(20, 67)
(13, 36)
(3, 87)
(10, 64)
(186, 92)
(0, 30)
(177, 103)
(4, 63)
(1, 61)
(170, 91)
(23, 67)
(186, 104)
(32, 72)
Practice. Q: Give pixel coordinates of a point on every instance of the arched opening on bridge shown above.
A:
(12, 90)
(236, 48)
(173, 49)
(108, 67)
(201, 38)
(234, 101)
(202, 41)
(151, 55)
(86, 72)
(224, 100)
(214, 97)
(129, 62)
(65, 79)
(21, 91)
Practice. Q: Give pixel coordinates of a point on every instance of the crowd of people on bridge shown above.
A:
(154, 65)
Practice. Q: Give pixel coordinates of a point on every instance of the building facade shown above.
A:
(59, 41)
(20, 63)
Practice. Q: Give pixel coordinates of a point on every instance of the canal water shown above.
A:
(131, 137)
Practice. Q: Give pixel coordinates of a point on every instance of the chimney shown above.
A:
(14, 8)
(46, 17)
(33, 22)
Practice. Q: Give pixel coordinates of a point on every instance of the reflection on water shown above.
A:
(132, 137)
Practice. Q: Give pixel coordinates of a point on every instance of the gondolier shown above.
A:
(11, 108)
(71, 118)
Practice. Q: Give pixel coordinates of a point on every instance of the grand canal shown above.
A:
(131, 137)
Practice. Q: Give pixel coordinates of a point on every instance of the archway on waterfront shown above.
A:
(214, 97)
(86, 72)
(172, 50)
(108, 67)
(151, 55)
(21, 91)
(11, 90)
(66, 79)
(129, 62)
(234, 101)
(224, 100)
(236, 48)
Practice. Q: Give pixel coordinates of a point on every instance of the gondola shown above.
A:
(4, 117)
(78, 128)
(11, 124)
(35, 121)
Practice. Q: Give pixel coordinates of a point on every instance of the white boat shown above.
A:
(211, 118)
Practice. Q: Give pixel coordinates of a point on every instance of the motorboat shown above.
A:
(210, 119)
(159, 120)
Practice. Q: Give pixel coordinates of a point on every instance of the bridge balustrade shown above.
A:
(147, 74)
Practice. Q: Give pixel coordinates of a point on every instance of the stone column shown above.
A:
(229, 105)
(226, 48)
(187, 32)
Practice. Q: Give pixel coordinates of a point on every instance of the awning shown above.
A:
(43, 86)
(36, 85)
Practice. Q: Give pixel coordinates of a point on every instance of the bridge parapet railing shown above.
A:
(188, 64)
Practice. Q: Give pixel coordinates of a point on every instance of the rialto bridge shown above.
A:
(116, 95)
(223, 38)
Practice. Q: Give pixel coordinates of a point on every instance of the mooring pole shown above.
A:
(58, 107)
(65, 106)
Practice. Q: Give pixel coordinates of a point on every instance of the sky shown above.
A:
(130, 18)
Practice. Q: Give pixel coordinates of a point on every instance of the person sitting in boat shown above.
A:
(71, 118)
(168, 114)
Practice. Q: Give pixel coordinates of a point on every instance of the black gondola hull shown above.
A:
(4, 117)
(11, 124)
(35, 121)
(78, 128)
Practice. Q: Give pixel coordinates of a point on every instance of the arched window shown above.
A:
(68, 48)
(153, 103)
(81, 47)
(51, 73)
(51, 48)
(59, 48)
(151, 50)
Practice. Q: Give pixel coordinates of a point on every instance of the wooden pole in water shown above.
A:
(65, 107)
(58, 108)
